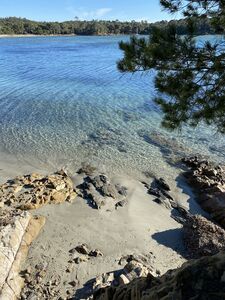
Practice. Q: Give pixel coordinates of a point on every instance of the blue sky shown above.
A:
(60, 10)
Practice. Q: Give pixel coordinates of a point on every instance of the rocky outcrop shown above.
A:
(136, 266)
(17, 231)
(208, 181)
(198, 279)
(98, 189)
(161, 190)
(202, 237)
(35, 190)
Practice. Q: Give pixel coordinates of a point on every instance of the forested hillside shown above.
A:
(13, 25)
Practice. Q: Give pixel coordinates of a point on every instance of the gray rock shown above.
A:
(165, 202)
(82, 249)
(162, 184)
(122, 190)
(95, 253)
(121, 203)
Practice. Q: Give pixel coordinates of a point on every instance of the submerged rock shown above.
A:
(168, 146)
(86, 169)
(105, 136)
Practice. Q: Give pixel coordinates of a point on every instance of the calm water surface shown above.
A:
(62, 102)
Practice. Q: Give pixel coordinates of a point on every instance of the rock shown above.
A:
(58, 197)
(105, 188)
(110, 277)
(165, 202)
(99, 181)
(121, 203)
(33, 191)
(136, 266)
(69, 269)
(95, 253)
(103, 281)
(81, 259)
(168, 146)
(154, 191)
(105, 136)
(162, 184)
(96, 190)
(197, 279)
(123, 279)
(96, 201)
(71, 196)
(122, 190)
(179, 220)
(160, 189)
(202, 237)
(73, 283)
(108, 190)
(82, 249)
(86, 169)
(16, 237)
(208, 181)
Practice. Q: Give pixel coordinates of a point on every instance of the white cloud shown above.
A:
(102, 11)
(84, 14)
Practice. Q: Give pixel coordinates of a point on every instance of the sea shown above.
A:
(63, 103)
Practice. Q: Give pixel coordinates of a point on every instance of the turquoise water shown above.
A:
(63, 102)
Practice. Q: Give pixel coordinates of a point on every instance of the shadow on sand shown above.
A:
(171, 238)
(194, 207)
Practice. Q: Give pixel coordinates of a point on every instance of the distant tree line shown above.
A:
(13, 25)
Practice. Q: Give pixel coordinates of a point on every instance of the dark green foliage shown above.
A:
(14, 25)
(190, 77)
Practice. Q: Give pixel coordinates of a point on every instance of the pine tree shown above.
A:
(190, 76)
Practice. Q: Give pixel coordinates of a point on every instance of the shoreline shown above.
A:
(58, 35)
(34, 35)
(142, 227)
(75, 35)
(109, 219)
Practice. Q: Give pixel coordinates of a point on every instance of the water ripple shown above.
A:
(62, 101)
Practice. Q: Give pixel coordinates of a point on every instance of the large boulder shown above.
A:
(17, 231)
(200, 279)
(208, 181)
(202, 237)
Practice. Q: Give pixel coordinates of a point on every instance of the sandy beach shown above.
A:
(142, 227)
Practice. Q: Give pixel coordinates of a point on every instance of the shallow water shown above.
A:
(62, 102)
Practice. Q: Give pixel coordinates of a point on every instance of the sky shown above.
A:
(62, 10)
